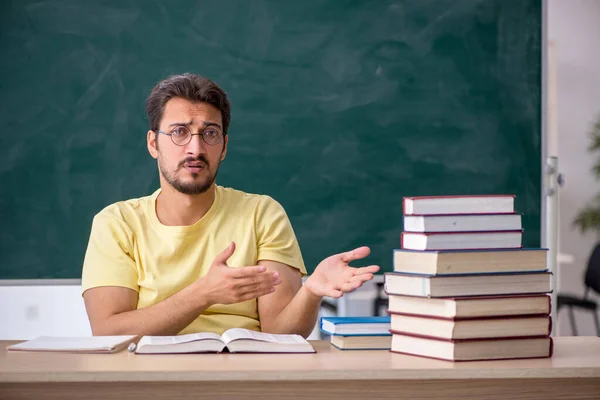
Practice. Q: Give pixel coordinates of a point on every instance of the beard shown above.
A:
(196, 185)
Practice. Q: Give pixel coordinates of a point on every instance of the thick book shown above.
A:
(462, 222)
(473, 350)
(92, 344)
(355, 325)
(235, 340)
(472, 328)
(467, 285)
(460, 240)
(465, 204)
(443, 262)
(379, 342)
(468, 307)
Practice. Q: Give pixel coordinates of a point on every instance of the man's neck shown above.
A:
(177, 209)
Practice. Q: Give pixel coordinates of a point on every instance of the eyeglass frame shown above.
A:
(170, 134)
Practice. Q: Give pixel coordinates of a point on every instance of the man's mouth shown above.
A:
(194, 166)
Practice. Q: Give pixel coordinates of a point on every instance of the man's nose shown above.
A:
(196, 145)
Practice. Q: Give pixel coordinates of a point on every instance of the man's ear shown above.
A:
(224, 152)
(152, 144)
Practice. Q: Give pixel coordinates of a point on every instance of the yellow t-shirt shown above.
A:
(129, 247)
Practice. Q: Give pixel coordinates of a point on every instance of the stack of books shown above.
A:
(358, 333)
(463, 288)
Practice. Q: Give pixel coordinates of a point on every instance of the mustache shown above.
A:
(194, 159)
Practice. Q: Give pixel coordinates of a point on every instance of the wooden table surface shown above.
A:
(573, 372)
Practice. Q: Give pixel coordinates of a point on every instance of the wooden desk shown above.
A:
(573, 373)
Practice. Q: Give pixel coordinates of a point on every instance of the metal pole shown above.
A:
(551, 194)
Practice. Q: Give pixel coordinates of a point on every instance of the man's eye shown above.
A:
(211, 133)
(180, 132)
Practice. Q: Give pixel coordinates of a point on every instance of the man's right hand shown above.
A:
(225, 285)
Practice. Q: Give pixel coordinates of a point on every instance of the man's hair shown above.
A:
(191, 87)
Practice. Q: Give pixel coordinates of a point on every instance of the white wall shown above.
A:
(574, 26)
(29, 311)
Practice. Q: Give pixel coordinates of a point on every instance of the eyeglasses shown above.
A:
(182, 135)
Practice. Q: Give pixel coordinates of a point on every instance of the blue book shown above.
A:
(356, 326)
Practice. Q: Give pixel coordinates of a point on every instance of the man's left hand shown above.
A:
(333, 276)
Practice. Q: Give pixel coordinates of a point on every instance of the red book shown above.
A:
(471, 328)
(472, 349)
(466, 204)
(470, 307)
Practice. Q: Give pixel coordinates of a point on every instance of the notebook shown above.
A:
(235, 340)
(93, 344)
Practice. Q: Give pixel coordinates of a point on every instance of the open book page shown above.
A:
(239, 333)
(168, 340)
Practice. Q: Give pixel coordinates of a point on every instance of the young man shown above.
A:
(195, 256)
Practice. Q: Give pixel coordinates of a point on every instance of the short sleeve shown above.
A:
(108, 258)
(276, 238)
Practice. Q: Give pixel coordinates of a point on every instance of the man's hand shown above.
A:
(225, 285)
(333, 276)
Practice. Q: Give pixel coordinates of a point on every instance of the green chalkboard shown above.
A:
(340, 108)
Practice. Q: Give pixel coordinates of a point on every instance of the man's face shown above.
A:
(192, 168)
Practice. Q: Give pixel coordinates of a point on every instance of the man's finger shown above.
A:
(223, 256)
(259, 279)
(371, 269)
(247, 272)
(356, 254)
(257, 291)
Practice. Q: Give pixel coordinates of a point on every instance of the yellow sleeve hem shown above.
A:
(292, 262)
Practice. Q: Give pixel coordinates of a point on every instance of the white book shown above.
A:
(92, 344)
(462, 223)
(235, 340)
(461, 240)
(464, 204)
(466, 285)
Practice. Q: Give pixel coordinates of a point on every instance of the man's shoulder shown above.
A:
(244, 202)
(127, 210)
(241, 198)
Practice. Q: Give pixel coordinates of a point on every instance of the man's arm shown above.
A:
(293, 307)
(112, 310)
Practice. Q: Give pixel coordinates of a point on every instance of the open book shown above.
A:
(236, 340)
